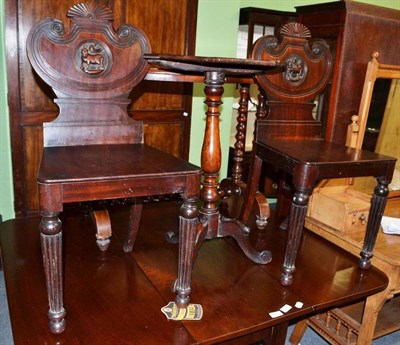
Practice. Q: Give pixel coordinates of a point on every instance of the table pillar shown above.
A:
(211, 151)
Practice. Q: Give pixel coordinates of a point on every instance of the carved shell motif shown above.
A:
(90, 10)
(295, 30)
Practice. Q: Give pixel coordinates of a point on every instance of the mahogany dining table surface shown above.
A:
(115, 298)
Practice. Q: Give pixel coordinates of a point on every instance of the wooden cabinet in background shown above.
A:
(256, 22)
(166, 111)
(354, 30)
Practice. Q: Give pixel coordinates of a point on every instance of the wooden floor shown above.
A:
(115, 298)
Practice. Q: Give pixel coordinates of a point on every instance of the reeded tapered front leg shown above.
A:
(378, 204)
(188, 220)
(296, 223)
(51, 240)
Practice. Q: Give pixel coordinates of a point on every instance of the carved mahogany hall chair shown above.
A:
(290, 139)
(93, 150)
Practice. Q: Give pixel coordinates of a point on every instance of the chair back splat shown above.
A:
(92, 70)
(291, 94)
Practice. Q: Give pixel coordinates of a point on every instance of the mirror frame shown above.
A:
(375, 70)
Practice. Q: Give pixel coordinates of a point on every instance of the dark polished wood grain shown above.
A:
(289, 139)
(290, 102)
(81, 163)
(327, 159)
(339, 22)
(102, 101)
(101, 288)
(166, 111)
(104, 172)
(202, 64)
(216, 71)
(94, 150)
(309, 161)
(115, 297)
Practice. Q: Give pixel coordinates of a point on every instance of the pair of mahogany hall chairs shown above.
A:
(94, 151)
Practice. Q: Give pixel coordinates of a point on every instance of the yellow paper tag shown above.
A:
(193, 312)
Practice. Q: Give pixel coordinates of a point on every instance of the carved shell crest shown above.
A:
(295, 30)
(90, 10)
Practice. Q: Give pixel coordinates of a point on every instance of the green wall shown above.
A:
(216, 36)
(6, 189)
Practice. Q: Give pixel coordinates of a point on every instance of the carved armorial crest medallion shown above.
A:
(296, 69)
(93, 57)
(308, 64)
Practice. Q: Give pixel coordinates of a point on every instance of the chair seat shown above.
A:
(100, 172)
(109, 162)
(331, 160)
(308, 161)
(93, 149)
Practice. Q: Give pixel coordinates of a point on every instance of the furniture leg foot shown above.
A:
(171, 237)
(188, 221)
(262, 212)
(228, 188)
(365, 260)
(103, 243)
(103, 228)
(284, 225)
(261, 221)
(240, 232)
(287, 276)
(57, 321)
(295, 228)
(51, 241)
